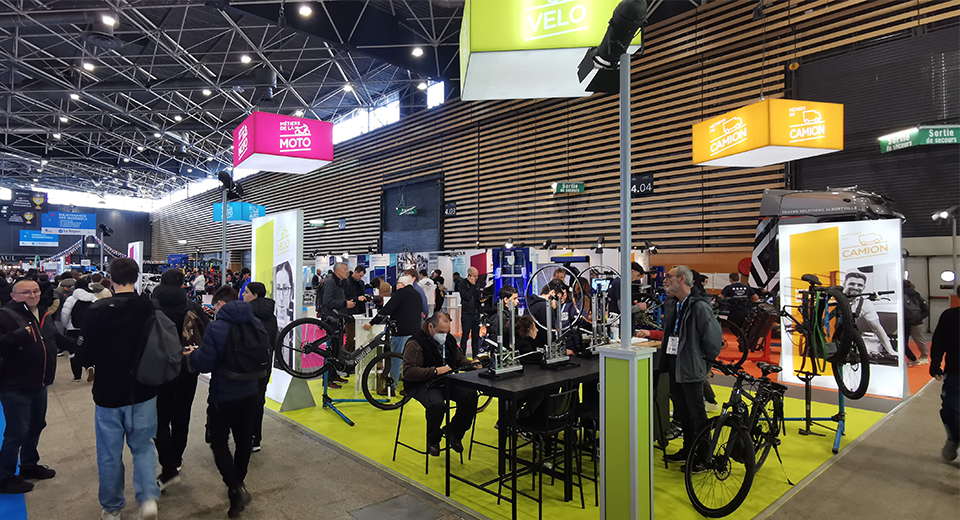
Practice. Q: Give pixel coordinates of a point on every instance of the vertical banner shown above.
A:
(864, 259)
(277, 258)
(135, 252)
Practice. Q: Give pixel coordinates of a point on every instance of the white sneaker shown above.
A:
(148, 510)
(924, 360)
(164, 484)
(109, 515)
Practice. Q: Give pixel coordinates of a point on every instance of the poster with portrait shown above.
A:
(277, 257)
(864, 259)
(406, 260)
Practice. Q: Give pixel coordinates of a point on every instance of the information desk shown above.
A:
(508, 390)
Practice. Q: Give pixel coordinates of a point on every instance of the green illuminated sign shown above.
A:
(406, 210)
(920, 136)
(568, 187)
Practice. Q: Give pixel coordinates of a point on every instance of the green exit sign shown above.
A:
(406, 210)
(920, 136)
(568, 187)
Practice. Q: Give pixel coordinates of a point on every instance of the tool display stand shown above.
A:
(808, 420)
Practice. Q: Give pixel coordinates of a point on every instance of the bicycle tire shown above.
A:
(324, 348)
(733, 455)
(765, 427)
(852, 373)
(372, 373)
(484, 404)
(734, 346)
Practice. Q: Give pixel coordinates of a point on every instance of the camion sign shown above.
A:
(280, 143)
(769, 132)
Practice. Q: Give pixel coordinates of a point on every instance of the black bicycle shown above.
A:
(826, 327)
(729, 449)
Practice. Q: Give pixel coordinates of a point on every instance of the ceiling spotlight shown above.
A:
(649, 246)
(157, 135)
(422, 85)
(56, 135)
(508, 244)
(209, 158)
(108, 19)
(547, 244)
(305, 11)
(298, 113)
(245, 59)
(87, 66)
(63, 119)
(37, 180)
(417, 52)
(44, 161)
(91, 245)
(948, 213)
(348, 88)
(946, 276)
(74, 96)
(139, 148)
(207, 92)
(599, 248)
(177, 118)
(189, 170)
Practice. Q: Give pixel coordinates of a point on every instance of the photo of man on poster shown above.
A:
(864, 304)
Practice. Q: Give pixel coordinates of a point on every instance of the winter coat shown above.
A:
(700, 337)
(209, 357)
(264, 310)
(27, 359)
(66, 313)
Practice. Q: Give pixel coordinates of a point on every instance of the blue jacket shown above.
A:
(207, 357)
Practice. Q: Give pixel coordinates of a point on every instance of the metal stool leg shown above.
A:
(396, 441)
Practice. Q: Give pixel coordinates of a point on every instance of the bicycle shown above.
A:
(735, 443)
(757, 321)
(824, 312)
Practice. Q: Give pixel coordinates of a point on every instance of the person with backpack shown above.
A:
(235, 350)
(915, 310)
(73, 314)
(114, 338)
(175, 399)
(263, 308)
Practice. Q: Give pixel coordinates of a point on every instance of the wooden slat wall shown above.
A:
(499, 158)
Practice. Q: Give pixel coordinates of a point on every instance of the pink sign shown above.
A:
(280, 143)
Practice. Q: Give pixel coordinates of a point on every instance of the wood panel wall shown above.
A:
(498, 158)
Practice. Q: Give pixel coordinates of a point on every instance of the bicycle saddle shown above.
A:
(768, 368)
(811, 279)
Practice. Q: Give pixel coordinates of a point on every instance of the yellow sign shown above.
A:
(769, 132)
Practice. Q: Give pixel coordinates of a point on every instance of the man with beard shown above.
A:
(853, 285)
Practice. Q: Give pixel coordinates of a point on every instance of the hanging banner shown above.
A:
(135, 252)
(276, 262)
(57, 223)
(28, 219)
(863, 258)
(34, 239)
(26, 201)
(280, 143)
(238, 212)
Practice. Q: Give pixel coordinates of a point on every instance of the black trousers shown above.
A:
(688, 406)
(174, 404)
(470, 327)
(435, 408)
(25, 412)
(258, 416)
(222, 419)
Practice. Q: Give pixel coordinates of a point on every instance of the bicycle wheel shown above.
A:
(728, 458)
(377, 376)
(852, 373)
(304, 347)
(765, 428)
(484, 403)
(734, 346)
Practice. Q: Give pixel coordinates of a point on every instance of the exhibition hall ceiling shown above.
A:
(140, 97)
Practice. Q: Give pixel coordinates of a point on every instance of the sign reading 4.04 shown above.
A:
(641, 184)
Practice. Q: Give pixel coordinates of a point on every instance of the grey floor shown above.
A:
(893, 472)
(295, 476)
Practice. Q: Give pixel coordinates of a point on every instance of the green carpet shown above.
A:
(373, 436)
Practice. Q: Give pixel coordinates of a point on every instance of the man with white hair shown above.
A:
(404, 308)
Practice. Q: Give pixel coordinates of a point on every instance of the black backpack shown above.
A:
(915, 309)
(247, 353)
(79, 314)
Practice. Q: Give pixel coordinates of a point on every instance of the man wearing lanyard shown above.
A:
(692, 337)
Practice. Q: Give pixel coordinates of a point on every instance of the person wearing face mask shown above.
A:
(430, 353)
(404, 309)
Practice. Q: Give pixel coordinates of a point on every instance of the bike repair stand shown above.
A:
(840, 418)
(329, 402)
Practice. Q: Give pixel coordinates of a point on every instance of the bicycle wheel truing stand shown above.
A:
(329, 402)
(506, 360)
(840, 418)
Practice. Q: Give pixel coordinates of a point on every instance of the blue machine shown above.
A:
(512, 267)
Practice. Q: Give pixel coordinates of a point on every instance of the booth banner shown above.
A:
(36, 239)
(57, 223)
(277, 256)
(238, 212)
(135, 253)
(280, 143)
(863, 258)
(26, 201)
(27, 220)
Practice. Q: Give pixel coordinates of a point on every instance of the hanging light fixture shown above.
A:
(599, 248)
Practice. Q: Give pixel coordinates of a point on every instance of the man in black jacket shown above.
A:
(336, 305)
(112, 340)
(470, 310)
(404, 309)
(175, 399)
(428, 354)
(28, 350)
(945, 366)
(256, 295)
(554, 291)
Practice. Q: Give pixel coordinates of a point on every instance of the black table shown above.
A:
(508, 390)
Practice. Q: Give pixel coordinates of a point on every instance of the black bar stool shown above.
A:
(397, 443)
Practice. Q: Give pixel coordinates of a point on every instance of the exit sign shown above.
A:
(568, 187)
(406, 210)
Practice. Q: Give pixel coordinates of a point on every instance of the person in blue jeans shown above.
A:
(945, 350)
(28, 349)
(126, 410)
(405, 308)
